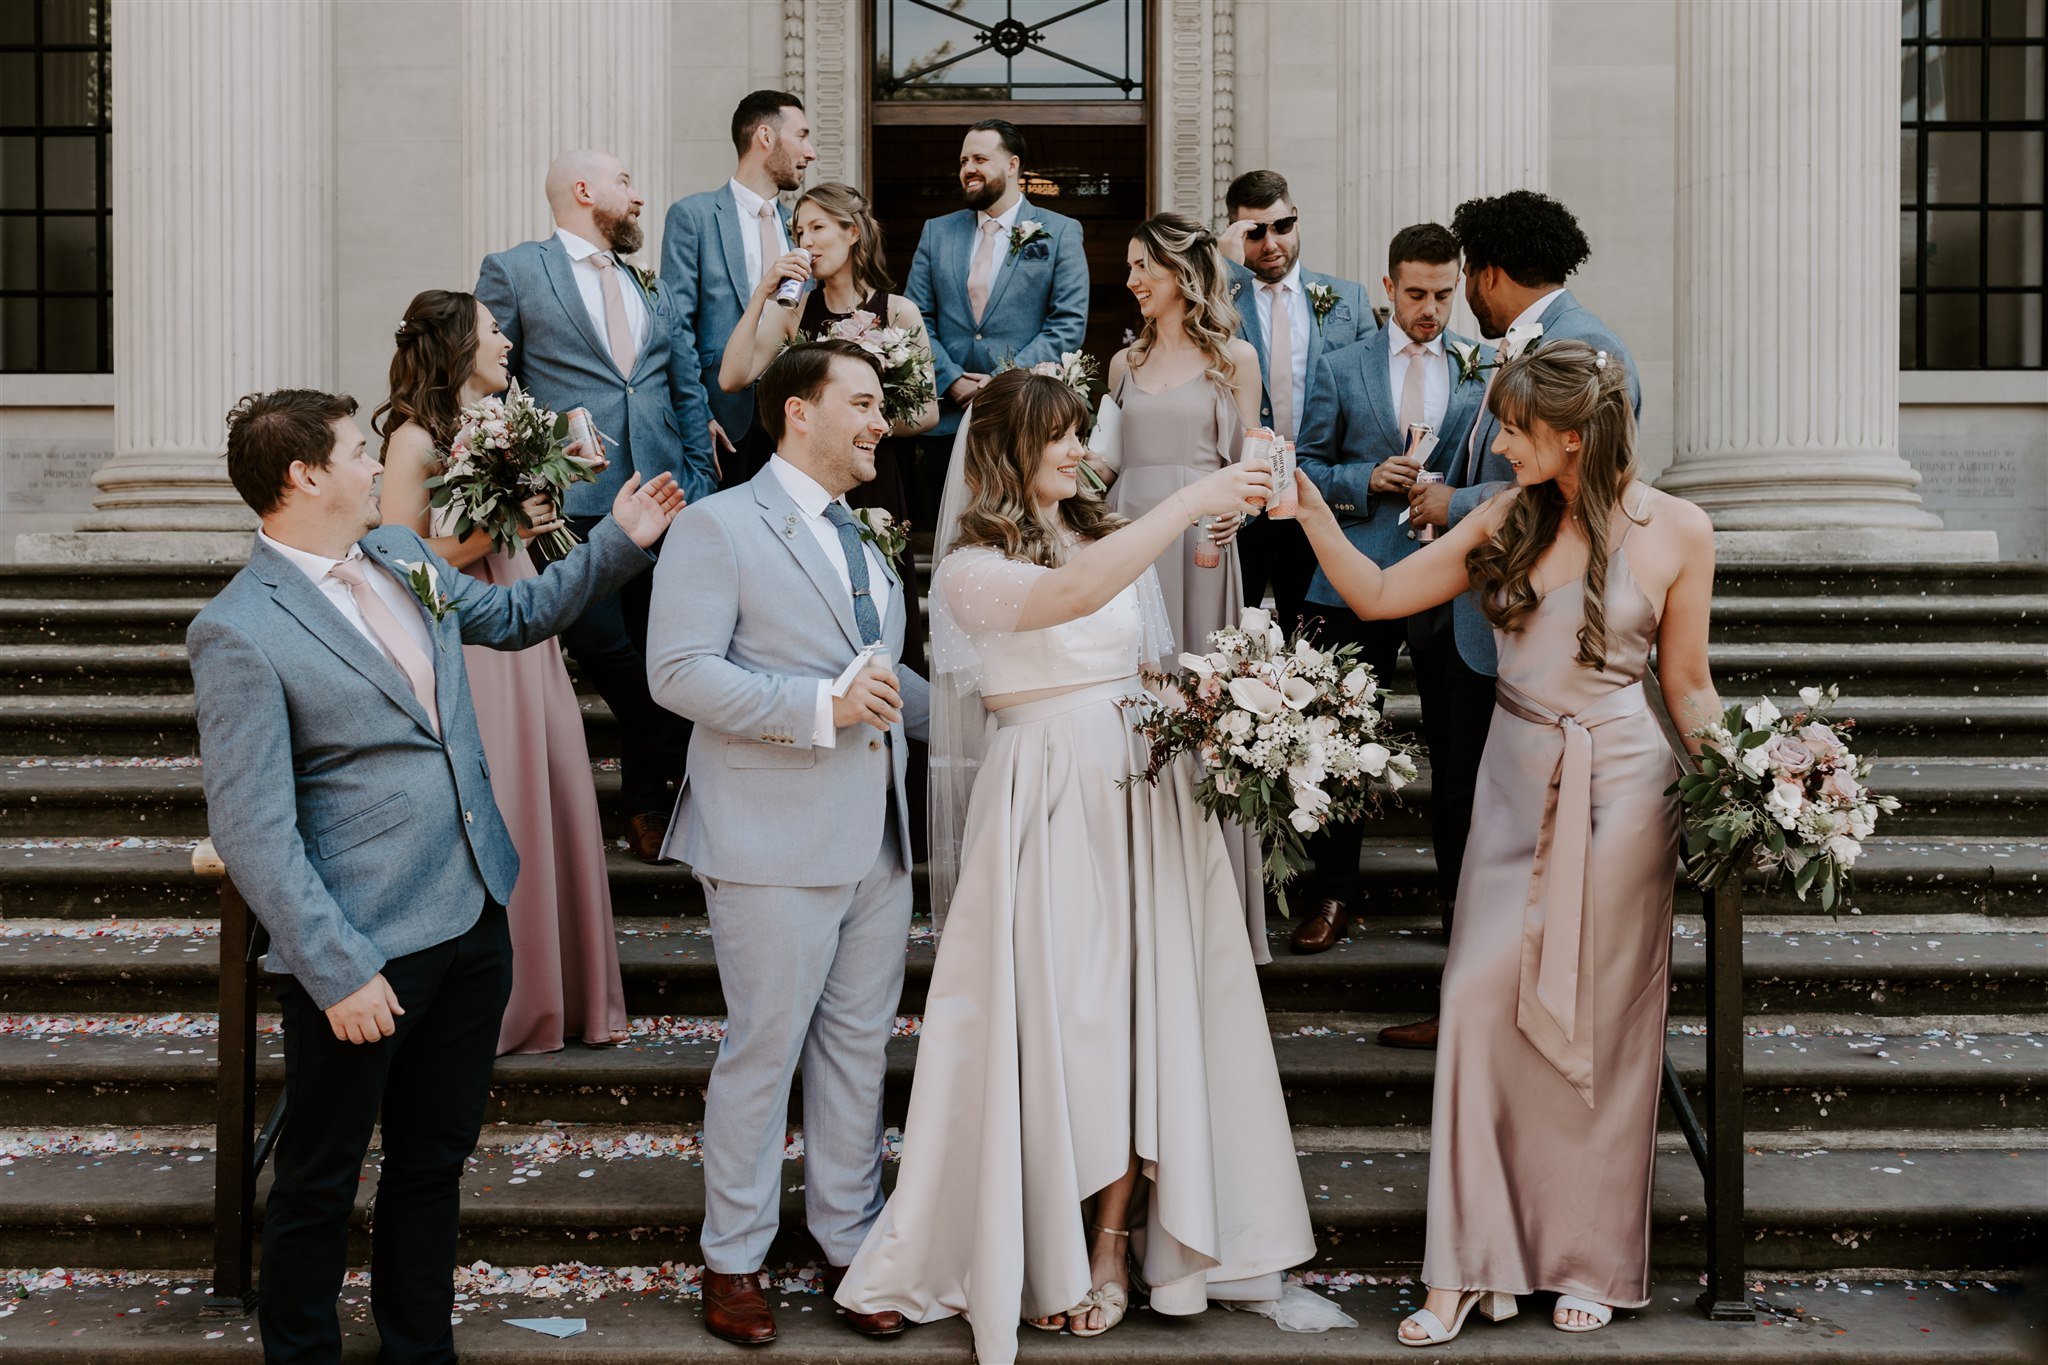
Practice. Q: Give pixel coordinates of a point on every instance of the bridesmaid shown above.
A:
(565, 955)
(1554, 993)
(1189, 389)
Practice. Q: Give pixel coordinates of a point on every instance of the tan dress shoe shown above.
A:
(1325, 924)
(886, 1323)
(1420, 1036)
(736, 1310)
(644, 835)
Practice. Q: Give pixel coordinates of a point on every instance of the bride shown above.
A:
(1095, 1086)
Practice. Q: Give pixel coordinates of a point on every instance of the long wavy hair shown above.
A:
(1016, 417)
(849, 208)
(1567, 386)
(436, 353)
(1188, 251)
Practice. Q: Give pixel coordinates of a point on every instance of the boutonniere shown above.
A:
(881, 530)
(1024, 234)
(426, 585)
(644, 278)
(1322, 300)
(1520, 341)
(1471, 358)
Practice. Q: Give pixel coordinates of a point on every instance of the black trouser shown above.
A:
(750, 455)
(609, 644)
(927, 482)
(1277, 552)
(429, 1080)
(1457, 708)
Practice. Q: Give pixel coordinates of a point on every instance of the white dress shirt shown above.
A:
(750, 230)
(591, 286)
(811, 499)
(389, 590)
(1298, 322)
(1008, 218)
(1436, 380)
(1534, 311)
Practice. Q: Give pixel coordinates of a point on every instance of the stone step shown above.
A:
(670, 967)
(101, 880)
(1995, 799)
(1913, 1209)
(656, 1319)
(1898, 616)
(128, 1072)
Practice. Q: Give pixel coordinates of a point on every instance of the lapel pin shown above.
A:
(789, 526)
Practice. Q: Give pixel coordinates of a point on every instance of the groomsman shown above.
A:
(1321, 314)
(999, 282)
(1367, 396)
(715, 245)
(590, 330)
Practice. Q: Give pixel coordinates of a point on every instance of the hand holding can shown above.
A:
(1425, 534)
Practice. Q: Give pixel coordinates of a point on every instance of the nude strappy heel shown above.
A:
(1111, 1300)
(1494, 1307)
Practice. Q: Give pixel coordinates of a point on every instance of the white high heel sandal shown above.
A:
(1572, 1303)
(1493, 1306)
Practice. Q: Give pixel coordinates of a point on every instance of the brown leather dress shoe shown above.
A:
(1324, 926)
(644, 835)
(736, 1310)
(886, 1323)
(1420, 1036)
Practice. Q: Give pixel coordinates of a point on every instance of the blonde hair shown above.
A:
(1567, 386)
(1188, 251)
(1016, 417)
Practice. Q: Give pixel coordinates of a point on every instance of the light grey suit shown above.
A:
(704, 260)
(804, 853)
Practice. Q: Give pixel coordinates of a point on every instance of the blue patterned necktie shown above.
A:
(864, 613)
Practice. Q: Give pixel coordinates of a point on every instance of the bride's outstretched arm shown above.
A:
(1430, 577)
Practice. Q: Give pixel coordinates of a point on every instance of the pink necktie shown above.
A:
(1411, 385)
(398, 646)
(771, 240)
(618, 334)
(1281, 385)
(983, 272)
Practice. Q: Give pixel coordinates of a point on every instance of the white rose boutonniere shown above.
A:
(1322, 300)
(1024, 234)
(425, 583)
(1471, 358)
(881, 530)
(1520, 341)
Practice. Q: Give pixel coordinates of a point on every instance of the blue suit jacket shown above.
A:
(1038, 309)
(655, 415)
(355, 832)
(1350, 321)
(704, 263)
(1352, 423)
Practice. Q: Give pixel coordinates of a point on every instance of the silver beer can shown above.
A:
(789, 291)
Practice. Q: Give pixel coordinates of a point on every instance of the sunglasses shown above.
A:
(1283, 226)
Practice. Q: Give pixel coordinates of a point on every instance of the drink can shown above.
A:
(1260, 445)
(583, 432)
(1416, 431)
(1426, 533)
(1286, 493)
(1208, 554)
(789, 291)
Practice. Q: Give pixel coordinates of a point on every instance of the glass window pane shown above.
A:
(975, 49)
(1909, 168)
(70, 173)
(2013, 247)
(1952, 331)
(71, 253)
(1955, 18)
(17, 253)
(71, 21)
(1909, 349)
(2017, 82)
(1955, 83)
(17, 24)
(1909, 249)
(1954, 168)
(1909, 18)
(2014, 324)
(71, 89)
(71, 335)
(18, 334)
(1909, 85)
(17, 172)
(2019, 18)
(1953, 247)
(18, 89)
(2016, 167)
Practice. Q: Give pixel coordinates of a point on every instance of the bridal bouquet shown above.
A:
(507, 450)
(1284, 735)
(1784, 794)
(907, 383)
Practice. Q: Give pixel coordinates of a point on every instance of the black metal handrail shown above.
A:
(1716, 1145)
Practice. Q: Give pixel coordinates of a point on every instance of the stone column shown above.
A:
(224, 256)
(1788, 285)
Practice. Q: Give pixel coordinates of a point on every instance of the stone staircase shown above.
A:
(1897, 1155)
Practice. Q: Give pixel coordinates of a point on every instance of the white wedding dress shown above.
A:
(1094, 995)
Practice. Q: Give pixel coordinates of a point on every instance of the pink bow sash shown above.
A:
(1553, 948)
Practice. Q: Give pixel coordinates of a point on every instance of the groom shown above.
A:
(793, 817)
(347, 791)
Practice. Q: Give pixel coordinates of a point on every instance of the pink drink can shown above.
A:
(1286, 495)
(1262, 446)
(1427, 533)
(583, 432)
(1208, 554)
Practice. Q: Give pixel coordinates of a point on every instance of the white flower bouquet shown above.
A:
(907, 382)
(1284, 735)
(507, 450)
(1784, 794)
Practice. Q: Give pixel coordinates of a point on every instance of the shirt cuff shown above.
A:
(823, 735)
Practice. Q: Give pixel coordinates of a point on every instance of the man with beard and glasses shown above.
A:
(715, 245)
(1000, 283)
(1354, 443)
(590, 331)
(1316, 314)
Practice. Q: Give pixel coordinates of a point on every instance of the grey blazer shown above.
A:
(1349, 321)
(1038, 310)
(656, 414)
(704, 262)
(356, 834)
(741, 653)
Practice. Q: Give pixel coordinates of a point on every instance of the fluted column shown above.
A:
(1447, 100)
(1788, 283)
(222, 168)
(542, 77)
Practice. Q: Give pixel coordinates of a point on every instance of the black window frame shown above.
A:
(43, 133)
(1008, 38)
(1915, 40)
